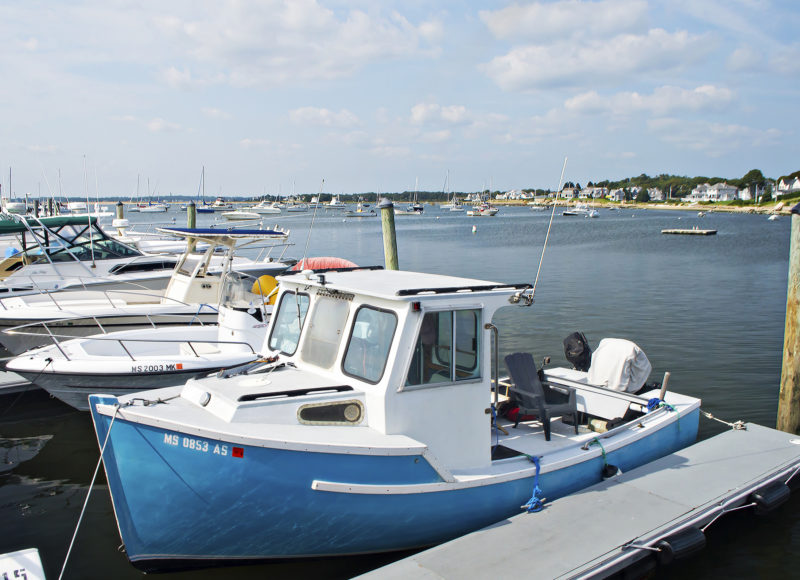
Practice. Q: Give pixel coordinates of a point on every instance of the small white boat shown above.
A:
(483, 209)
(376, 428)
(361, 212)
(241, 215)
(193, 293)
(773, 217)
(133, 360)
(296, 207)
(264, 208)
(334, 203)
(151, 207)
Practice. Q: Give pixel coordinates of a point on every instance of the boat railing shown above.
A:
(152, 320)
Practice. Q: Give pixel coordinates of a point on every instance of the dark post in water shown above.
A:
(191, 222)
(789, 398)
(389, 236)
(120, 210)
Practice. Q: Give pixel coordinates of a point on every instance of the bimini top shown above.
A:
(226, 237)
(25, 223)
(391, 284)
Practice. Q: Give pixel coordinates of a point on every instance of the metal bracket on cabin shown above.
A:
(521, 297)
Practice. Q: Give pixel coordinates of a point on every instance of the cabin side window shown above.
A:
(368, 348)
(325, 331)
(447, 348)
(288, 322)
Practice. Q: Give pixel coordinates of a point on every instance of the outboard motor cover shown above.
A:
(578, 351)
(620, 365)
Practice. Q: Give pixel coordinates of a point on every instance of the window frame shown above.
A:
(293, 294)
(350, 338)
(478, 310)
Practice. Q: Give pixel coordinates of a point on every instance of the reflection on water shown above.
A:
(708, 309)
(16, 450)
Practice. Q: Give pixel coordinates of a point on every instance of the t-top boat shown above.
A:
(72, 252)
(133, 360)
(376, 429)
(193, 293)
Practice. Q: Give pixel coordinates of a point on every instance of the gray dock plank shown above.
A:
(575, 534)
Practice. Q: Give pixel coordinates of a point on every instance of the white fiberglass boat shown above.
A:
(375, 429)
(264, 208)
(73, 252)
(193, 293)
(134, 360)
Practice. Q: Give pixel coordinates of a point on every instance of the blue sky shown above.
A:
(371, 96)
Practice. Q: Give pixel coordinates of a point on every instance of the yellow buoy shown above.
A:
(267, 286)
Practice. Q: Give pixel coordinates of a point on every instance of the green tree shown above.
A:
(643, 196)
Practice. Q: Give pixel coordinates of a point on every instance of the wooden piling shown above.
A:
(389, 235)
(789, 397)
(120, 210)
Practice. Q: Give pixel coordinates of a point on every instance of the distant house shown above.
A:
(788, 185)
(616, 195)
(593, 192)
(570, 192)
(514, 194)
(655, 194)
(713, 193)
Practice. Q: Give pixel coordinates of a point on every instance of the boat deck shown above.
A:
(592, 534)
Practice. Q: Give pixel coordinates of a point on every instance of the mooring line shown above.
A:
(89, 493)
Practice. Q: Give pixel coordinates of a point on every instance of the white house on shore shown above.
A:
(717, 192)
(788, 185)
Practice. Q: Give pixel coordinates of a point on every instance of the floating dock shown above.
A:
(690, 232)
(645, 517)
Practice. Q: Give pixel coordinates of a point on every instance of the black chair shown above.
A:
(533, 397)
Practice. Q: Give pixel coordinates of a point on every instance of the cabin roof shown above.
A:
(400, 284)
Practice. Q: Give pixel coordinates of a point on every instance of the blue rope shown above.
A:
(536, 503)
(596, 441)
(656, 403)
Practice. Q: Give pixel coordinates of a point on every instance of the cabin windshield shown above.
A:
(447, 348)
(288, 322)
(368, 347)
(71, 243)
(326, 329)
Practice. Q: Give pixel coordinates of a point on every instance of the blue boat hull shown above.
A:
(191, 500)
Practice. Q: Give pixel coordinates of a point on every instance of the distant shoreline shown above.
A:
(778, 207)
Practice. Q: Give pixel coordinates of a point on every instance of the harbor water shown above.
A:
(708, 309)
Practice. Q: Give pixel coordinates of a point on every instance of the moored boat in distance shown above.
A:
(375, 429)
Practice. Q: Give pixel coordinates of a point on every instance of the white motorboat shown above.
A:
(484, 209)
(265, 208)
(241, 215)
(193, 293)
(73, 252)
(133, 360)
(376, 429)
(334, 203)
(360, 212)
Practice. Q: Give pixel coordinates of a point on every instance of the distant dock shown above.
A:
(648, 516)
(690, 232)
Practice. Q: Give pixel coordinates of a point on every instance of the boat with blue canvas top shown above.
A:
(377, 427)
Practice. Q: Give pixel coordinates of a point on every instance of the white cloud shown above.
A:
(436, 136)
(712, 139)
(248, 143)
(213, 113)
(541, 22)
(159, 125)
(47, 149)
(786, 59)
(594, 61)
(266, 43)
(663, 100)
(424, 113)
(323, 117)
(745, 58)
